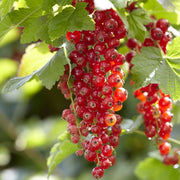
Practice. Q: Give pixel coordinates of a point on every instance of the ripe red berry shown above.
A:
(65, 113)
(81, 46)
(150, 131)
(148, 42)
(108, 102)
(111, 54)
(95, 143)
(163, 24)
(90, 155)
(165, 148)
(111, 24)
(131, 43)
(107, 89)
(112, 158)
(105, 163)
(165, 103)
(115, 80)
(120, 94)
(97, 172)
(156, 33)
(73, 37)
(110, 119)
(114, 140)
(98, 80)
(129, 55)
(75, 138)
(79, 152)
(106, 150)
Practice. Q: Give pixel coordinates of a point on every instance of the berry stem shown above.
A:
(169, 139)
(98, 162)
(174, 141)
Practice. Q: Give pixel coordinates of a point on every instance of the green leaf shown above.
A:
(20, 16)
(31, 22)
(176, 113)
(58, 42)
(151, 67)
(62, 3)
(10, 37)
(42, 33)
(129, 125)
(36, 56)
(155, 8)
(173, 48)
(70, 19)
(48, 74)
(5, 26)
(137, 19)
(20, 4)
(17, 18)
(6, 6)
(59, 152)
(153, 169)
(34, 3)
(16, 83)
(48, 4)
(30, 31)
(119, 4)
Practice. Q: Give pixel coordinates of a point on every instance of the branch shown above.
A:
(175, 141)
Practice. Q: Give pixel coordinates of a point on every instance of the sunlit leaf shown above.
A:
(36, 56)
(48, 74)
(137, 19)
(70, 19)
(59, 152)
(157, 9)
(151, 67)
(153, 169)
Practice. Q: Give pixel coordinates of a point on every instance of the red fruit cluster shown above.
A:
(159, 35)
(98, 89)
(156, 107)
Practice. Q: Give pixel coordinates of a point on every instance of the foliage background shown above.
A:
(30, 122)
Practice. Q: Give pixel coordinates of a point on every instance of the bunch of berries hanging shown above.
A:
(155, 106)
(97, 88)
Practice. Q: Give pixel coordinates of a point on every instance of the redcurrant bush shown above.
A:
(117, 64)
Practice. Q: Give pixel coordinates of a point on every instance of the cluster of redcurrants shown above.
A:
(155, 106)
(97, 90)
